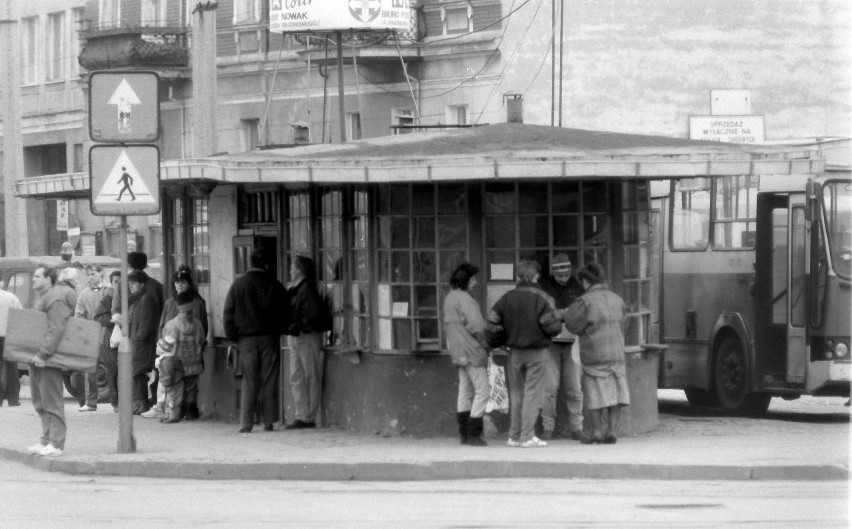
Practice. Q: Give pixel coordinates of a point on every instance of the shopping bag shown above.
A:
(499, 398)
(115, 337)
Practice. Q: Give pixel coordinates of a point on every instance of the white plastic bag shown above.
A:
(499, 398)
(115, 337)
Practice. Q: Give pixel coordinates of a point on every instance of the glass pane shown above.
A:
(645, 302)
(633, 331)
(500, 258)
(499, 198)
(425, 232)
(331, 266)
(595, 230)
(425, 270)
(452, 232)
(402, 334)
(532, 198)
(500, 232)
(399, 199)
(628, 195)
(690, 224)
(565, 230)
(779, 265)
(361, 268)
(594, 197)
(423, 199)
(400, 267)
(400, 236)
(427, 300)
(565, 197)
(452, 199)
(360, 201)
(734, 235)
(632, 262)
(427, 330)
(797, 271)
(534, 231)
(383, 200)
(384, 267)
(596, 254)
(401, 294)
(384, 232)
(631, 228)
(360, 234)
(631, 296)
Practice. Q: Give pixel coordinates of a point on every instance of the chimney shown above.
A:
(514, 108)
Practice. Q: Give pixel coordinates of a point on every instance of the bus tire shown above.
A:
(700, 397)
(731, 375)
(72, 385)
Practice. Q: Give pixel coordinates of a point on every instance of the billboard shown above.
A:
(294, 16)
(731, 129)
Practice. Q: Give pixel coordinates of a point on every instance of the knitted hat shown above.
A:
(166, 344)
(137, 276)
(561, 263)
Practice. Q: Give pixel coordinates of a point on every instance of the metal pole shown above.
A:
(340, 91)
(561, 40)
(552, 62)
(126, 441)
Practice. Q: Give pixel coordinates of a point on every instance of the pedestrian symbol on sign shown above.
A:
(124, 178)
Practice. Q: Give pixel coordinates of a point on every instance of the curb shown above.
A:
(436, 470)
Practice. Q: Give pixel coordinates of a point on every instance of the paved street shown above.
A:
(127, 502)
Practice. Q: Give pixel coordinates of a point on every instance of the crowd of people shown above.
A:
(545, 324)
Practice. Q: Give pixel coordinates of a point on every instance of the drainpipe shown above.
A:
(204, 79)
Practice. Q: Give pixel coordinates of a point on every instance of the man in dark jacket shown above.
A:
(256, 314)
(564, 359)
(525, 319)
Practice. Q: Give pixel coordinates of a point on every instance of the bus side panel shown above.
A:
(697, 288)
(831, 377)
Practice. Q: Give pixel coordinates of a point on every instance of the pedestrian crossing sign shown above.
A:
(124, 179)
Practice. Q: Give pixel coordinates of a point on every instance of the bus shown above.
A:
(755, 288)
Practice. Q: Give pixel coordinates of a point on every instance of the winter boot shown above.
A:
(474, 432)
(463, 417)
(192, 411)
(182, 414)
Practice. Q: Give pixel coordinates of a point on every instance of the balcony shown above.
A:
(163, 49)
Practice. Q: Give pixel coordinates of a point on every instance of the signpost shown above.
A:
(124, 179)
(731, 129)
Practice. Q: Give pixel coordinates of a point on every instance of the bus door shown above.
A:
(780, 304)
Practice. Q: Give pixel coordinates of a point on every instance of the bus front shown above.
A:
(830, 289)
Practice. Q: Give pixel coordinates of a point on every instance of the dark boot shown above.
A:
(463, 417)
(192, 411)
(474, 432)
(182, 414)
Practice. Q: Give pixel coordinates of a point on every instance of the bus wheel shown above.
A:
(700, 397)
(731, 381)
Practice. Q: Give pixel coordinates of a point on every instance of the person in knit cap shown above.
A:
(171, 378)
(190, 339)
(597, 318)
(562, 412)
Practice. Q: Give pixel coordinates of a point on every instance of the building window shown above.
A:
(29, 43)
(109, 14)
(189, 218)
(79, 160)
(246, 11)
(249, 134)
(422, 237)
(735, 212)
(533, 219)
(78, 14)
(457, 19)
(257, 207)
(55, 46)
(154, 13)
(402, 116)
(456, 114)
(301, 134)
(353, 125)
(636, 287)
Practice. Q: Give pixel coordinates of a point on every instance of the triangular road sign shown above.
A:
(123, 183)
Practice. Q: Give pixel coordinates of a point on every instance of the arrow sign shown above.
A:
(124, 98)
(124, 106)
(124, 179)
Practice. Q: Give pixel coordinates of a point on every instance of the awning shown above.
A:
(507, 151)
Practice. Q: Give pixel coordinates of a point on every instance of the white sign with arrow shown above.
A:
(124, 98)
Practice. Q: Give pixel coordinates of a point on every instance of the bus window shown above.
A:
(797, 269)
(690, 228)
(779, 266)
(837, 201)
(735, 212)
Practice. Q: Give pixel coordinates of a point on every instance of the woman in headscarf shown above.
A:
(597, 318)
(464, 327)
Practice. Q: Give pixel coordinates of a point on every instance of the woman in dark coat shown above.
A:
(183, 282)
(142, 333)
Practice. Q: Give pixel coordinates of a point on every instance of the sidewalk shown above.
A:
(682, 448)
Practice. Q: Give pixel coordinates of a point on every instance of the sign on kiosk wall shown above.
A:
(124, 107)
(124, 179)
(339, 15)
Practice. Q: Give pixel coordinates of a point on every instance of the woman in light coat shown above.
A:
(597, 318)
(464, 327)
